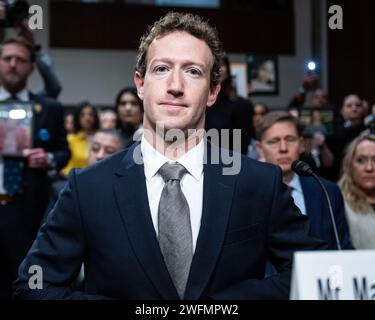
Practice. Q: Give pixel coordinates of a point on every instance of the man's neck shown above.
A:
(14, 91)
(173, 150)
(288, 177)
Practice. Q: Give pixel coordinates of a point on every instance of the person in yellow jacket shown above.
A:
(86, 122)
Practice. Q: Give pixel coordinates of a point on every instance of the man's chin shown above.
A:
(13, 84)
(285, 168)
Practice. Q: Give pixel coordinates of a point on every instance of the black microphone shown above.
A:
(303, 169)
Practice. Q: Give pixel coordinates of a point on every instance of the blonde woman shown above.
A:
(358, 188)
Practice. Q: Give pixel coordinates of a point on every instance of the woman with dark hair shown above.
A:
(129, 109)
(86, 123)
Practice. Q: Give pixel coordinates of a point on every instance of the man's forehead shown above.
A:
(15, 49)
(189, 48)
(105, 138)
(281, 129)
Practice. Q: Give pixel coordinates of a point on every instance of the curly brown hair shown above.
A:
(189, 23)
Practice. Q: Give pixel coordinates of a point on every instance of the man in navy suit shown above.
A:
(280, 143)
(22, 204)
(117, 216)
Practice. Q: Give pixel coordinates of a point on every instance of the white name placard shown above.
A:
(333, 275)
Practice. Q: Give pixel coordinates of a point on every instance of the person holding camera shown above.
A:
(14, 16)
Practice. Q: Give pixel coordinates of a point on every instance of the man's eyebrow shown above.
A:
(184, 63)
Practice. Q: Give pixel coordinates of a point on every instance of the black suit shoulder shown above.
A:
(331, 187)
(45, 100)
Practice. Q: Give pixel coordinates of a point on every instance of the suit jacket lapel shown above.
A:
(39, 113)
(217, 199)
(131, 195)
(312, 205)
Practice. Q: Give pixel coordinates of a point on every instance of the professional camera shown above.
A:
(16, 11)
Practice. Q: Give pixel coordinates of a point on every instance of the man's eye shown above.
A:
(194, 72)
(291, 139)
(274, 141)
(160, 69)
(95, 148)
(110, 151)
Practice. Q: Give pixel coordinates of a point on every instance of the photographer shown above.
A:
(15, 16)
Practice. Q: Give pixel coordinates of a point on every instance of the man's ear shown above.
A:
(259, 147)
(139, 83)
(214, 91)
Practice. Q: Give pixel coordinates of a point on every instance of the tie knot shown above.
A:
(172, 171)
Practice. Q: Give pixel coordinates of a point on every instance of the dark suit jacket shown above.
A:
(103, 219)
(231, 114)
(318, 212)
(20, 219)
(49, 134)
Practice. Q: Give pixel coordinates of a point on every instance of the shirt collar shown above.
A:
(295, 183)
(22, 95)
(153, 159)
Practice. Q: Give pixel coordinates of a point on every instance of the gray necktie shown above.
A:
(175, 237)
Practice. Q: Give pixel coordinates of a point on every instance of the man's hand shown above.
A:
(36, 158)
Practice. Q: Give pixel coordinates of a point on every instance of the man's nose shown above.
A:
(13, 62)
(176, 84)
(100, 155)
(283, 146)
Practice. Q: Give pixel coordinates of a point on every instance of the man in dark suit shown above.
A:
(158, 221)
(22, 204)
(280, 143)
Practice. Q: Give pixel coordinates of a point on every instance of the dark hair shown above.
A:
(227, 84)
(21, 42)
(112, 132)
(131, 90)
(273, 117)
(186, 22)
(77, 114)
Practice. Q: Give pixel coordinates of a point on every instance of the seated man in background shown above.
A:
(280, 143)
(105, 142)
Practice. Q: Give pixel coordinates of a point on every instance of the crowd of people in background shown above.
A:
(342, 150)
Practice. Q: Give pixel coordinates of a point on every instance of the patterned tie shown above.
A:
(13, 169)
(175, 238)
(13, 180)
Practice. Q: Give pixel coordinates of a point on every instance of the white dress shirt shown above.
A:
(191, 183)
(297, 193)
(23, 95)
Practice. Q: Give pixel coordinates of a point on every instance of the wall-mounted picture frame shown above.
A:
(239, 78)
(262, 74)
